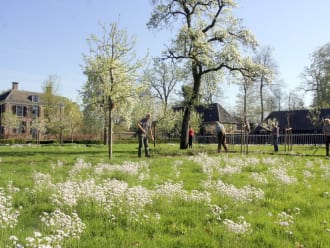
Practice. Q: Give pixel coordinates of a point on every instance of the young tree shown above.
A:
(208, 40)
(111, 70)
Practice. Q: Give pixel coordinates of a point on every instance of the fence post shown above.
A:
(288, 139)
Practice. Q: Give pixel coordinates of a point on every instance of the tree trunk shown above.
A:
(261, 100)
(196, 72)
(184, 129)
(105, 135)
(110, 131)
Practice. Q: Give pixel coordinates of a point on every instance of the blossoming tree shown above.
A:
(208, 39)
(111, 70)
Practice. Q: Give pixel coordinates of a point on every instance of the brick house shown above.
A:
(26, 105)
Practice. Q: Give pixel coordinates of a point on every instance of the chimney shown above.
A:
(15, 86)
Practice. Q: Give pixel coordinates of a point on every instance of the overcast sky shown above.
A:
(39, 38)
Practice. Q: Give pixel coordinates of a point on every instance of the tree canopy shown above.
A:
(209, 38)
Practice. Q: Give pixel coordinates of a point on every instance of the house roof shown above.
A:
(213, 112)
(19, 96)
(297, 119)
(4, 95)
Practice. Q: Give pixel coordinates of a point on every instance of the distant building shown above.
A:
(212, 113)
(26, 105)
(297, 120)
(215, 112)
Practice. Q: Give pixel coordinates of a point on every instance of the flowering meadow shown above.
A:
(74, 196)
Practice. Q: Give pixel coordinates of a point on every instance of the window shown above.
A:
(34, 132)
(22, 127)
(35, 111)
(35, 98)
(19, 111)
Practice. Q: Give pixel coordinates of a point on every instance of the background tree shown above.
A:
(9, 122)
(72, 118)
(209, 39)
(210, 90)
(163, 78)
(38, 127)
(264, 57)
(294, 101)
(276, 100)
(314, 116)
(52, 105)
(93, 122)
(111, 70)
(245, 99)
(145, 103)
(94, 107)
(317, 77)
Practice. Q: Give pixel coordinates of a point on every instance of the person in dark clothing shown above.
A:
(326, 132)
(191, 134)
(275, 132)
(221, 134)
(144, 126)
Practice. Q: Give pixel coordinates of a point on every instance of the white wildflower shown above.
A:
(241, 227)
(258, 177)
(281, 175)
(8, 215)
(308, 174)
(245, 194)
(285, 219)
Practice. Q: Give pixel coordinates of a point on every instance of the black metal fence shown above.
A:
(264, 139)
(238, 138)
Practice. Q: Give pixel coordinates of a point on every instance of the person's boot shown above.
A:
(147, 153)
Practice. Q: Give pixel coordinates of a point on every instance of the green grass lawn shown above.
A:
(74, 196)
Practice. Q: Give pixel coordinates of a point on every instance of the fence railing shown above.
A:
(237, 138)
(260, 139)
